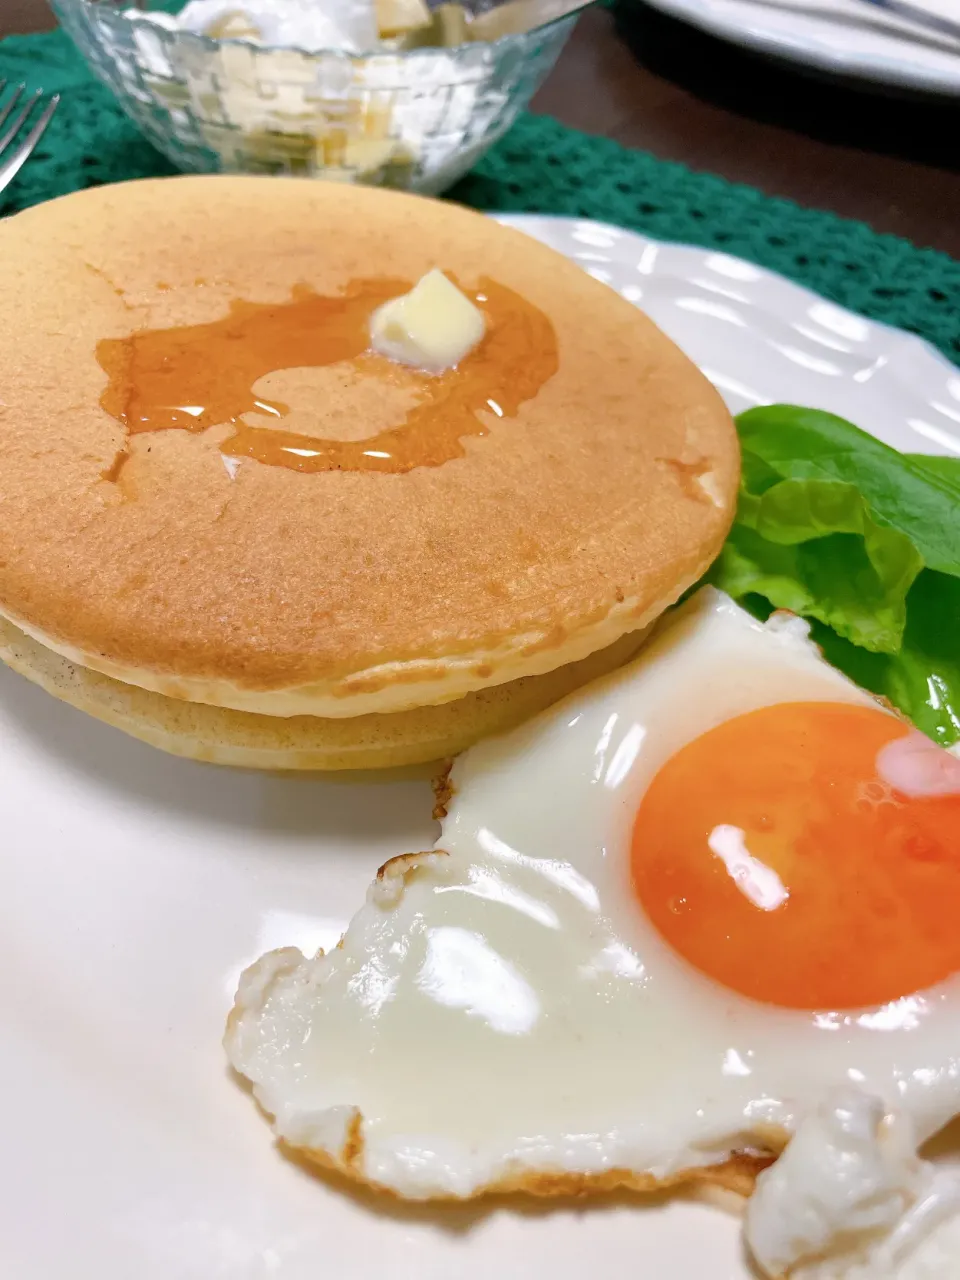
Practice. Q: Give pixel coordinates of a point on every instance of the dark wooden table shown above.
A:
(891, 160)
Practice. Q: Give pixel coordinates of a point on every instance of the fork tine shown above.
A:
(10, 167)
(12, 131)
(13, 101)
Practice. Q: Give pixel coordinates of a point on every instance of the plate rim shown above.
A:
(833, 60)
(900, 338)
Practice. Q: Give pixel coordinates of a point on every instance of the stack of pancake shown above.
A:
(335, 609)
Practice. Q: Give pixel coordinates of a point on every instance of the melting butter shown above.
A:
(432, 327)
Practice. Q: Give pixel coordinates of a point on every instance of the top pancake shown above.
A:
(341, 592)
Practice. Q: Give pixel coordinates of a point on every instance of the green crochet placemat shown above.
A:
(541, 166)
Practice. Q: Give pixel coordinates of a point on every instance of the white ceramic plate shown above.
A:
(133, 888)
(844, 37)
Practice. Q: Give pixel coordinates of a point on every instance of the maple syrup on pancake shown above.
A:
(197, 376)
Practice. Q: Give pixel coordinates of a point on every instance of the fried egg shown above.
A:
(663, 920)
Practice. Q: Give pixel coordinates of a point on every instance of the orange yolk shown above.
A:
(772, 856)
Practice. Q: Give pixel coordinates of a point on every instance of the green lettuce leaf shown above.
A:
(945, 468)
(923, 679)
(807, 444)
(813, 546)
(864, 541)
(832, 580)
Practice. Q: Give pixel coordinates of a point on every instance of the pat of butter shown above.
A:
(432, 327)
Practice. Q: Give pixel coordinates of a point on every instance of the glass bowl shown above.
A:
(416, 120)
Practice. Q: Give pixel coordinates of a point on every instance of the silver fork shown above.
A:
(21, 129)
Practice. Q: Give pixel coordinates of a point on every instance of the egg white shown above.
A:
(851, 1199)
(505, 1009)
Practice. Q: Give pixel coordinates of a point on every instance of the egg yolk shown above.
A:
(773, 855)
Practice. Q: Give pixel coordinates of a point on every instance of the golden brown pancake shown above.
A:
(545, 533)
(217, 735)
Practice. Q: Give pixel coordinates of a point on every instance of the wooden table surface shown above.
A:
(891, 160)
